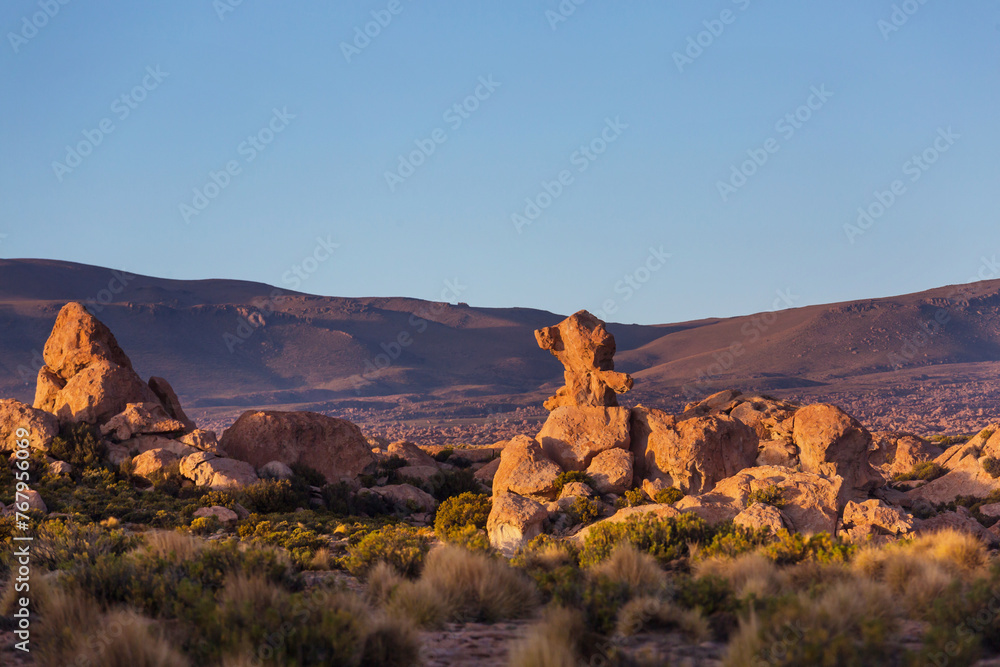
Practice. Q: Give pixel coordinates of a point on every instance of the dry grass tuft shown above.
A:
(171, 545)
(637, 570)
(649, 613)
(748, 574)
(383, 580)
(552, 642)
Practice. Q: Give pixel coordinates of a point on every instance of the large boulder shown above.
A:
(526, 470)
(86, 377)
(658, 511)
(586, 350)
(760, 516)
(875, 518)
(833, 443)
(407, 496)
(573, 436)
(153, 462)
(172, 404)
(201, 439)
(896, 453)
(692, 454)
(514, 521)
(205, 469)
(41, 426)
(334, 447)
(611, 471)
(413, 455)
(141, 419)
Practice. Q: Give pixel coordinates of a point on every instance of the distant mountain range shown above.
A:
(926, 361)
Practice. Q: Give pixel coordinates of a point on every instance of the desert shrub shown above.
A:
(341, 499)
(401, 546)
(450, 483)
(205, 525)
(390, 642)
(926, 470)
(708, 594)
(458, 512)
(850, 623)
(572, 476)
(471, 538)
(652, 613)
(388, 466)
(632, 498)
(946, 441)
(768, 495)
(462, 585)
(992, 466)
(749, 574)
(665, 538)
(986, 434)
(792, 547)
(732, 540)
(552, 642)
(444, 454)
(668, 496)
(61, 545)
(273, 496)
(584, 510)
(637, 571)
(308, 474)
(300, 540)
(79, 445)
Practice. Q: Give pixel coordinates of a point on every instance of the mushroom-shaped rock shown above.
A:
(526, 470)
(586, 350)
(573, 436)
(333, 447)
(514, 521)
(22, 422)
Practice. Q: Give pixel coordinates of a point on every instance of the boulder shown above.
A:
(526, 470)
(693, 454)
(720, 402)
(34, 500)
(991, 510)
(573, 436)
(875, 517)
(60, 468)
(41, 426)
(170, 402)
(275, 470)
(412, 454)
(759, 516)
(966, 478)
(334, 447)
(206, 441)
(215, 472)
(223, 514)
(86, 377)
(420, 473)
(154, 461)
(488, 472)
(833, 443)
(514, 521)
(897, 453)
(407, 496)
(140, 419)
(574, 490)
(777, 453)
(611, 471)
(586, 350)
(961, 519)
(144, 443)
(768, 417)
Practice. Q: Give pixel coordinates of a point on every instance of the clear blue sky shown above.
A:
(656, 184)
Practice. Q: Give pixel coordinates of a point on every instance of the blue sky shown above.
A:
(330, 122)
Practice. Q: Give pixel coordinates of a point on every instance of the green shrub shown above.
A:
(401, 546)
(768, 495)
(388, 466)
(308, 474)
(731, 540)
(632, 498)
(572, 476)
(205, 525)
(273, 496)
(452, 483)
(992, 466)
(584, 510)
(710, 595)
(62, 545)
(926, 470)
(795, 547)
(301, 541)
(341, 499)
(444, 454)
(665, 538)
(458, 512)
(80, 446)
(668, 496)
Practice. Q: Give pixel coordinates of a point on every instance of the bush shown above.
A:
(308, 475)
(273, 496)
(791, 548)
(632, 498)
(448, 484)
(458, 512)
(667, 496)
(731, 540)
(584, 510)
(651, 613)
(401, 546)
(205, 525)
(572, 476)
(80, 446)
(665, 538)
(341, 499)
(992, 466)
(62, 545)
(926, 470)
(301, 541)
(768, 495)
(552, 642)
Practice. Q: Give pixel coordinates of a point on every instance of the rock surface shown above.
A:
(41, 426)
(172, 404)
(223, 514)
(833, 443)
(153, 462)
(140, 419)
(407, 496)
(759, 516)
(334, 447)
(526, 470)
(611, 471)
(586, 350)
(206, 469)
(514, 521)
(573, 436)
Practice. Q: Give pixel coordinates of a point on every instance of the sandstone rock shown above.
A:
(574, 490)
(60, 468)
(41, 426)
(87, 377)
(140, 419)
(766, 416)
(526, 470)
(961, 520)
(163, 391)
(777, 453)
(206, 469)
(206, 441)
(991, 510)
(611, 471)
(652, 486)
(713, 507)
(407, 496)
(897, 453)
(275, 470)
(412, 454)
(154, 461)
(875, 516)
(419, 473)
(116, 454)
(34, 500)
(967, 478)
(487, 473)
(833, 443)
(223, 514)
(586, 351)
(514, 521)
(760, 515)
(692, 454)
(144, 443)
(721, 401)
(334, 447)
(958, 456)
(573, 436)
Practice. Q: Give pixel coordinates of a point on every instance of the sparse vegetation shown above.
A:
(992, 466)
(926, 470)
(572, 476)
(459, 512)
(668, 496)
(402, 547)
(768, 495)
(632, 498)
